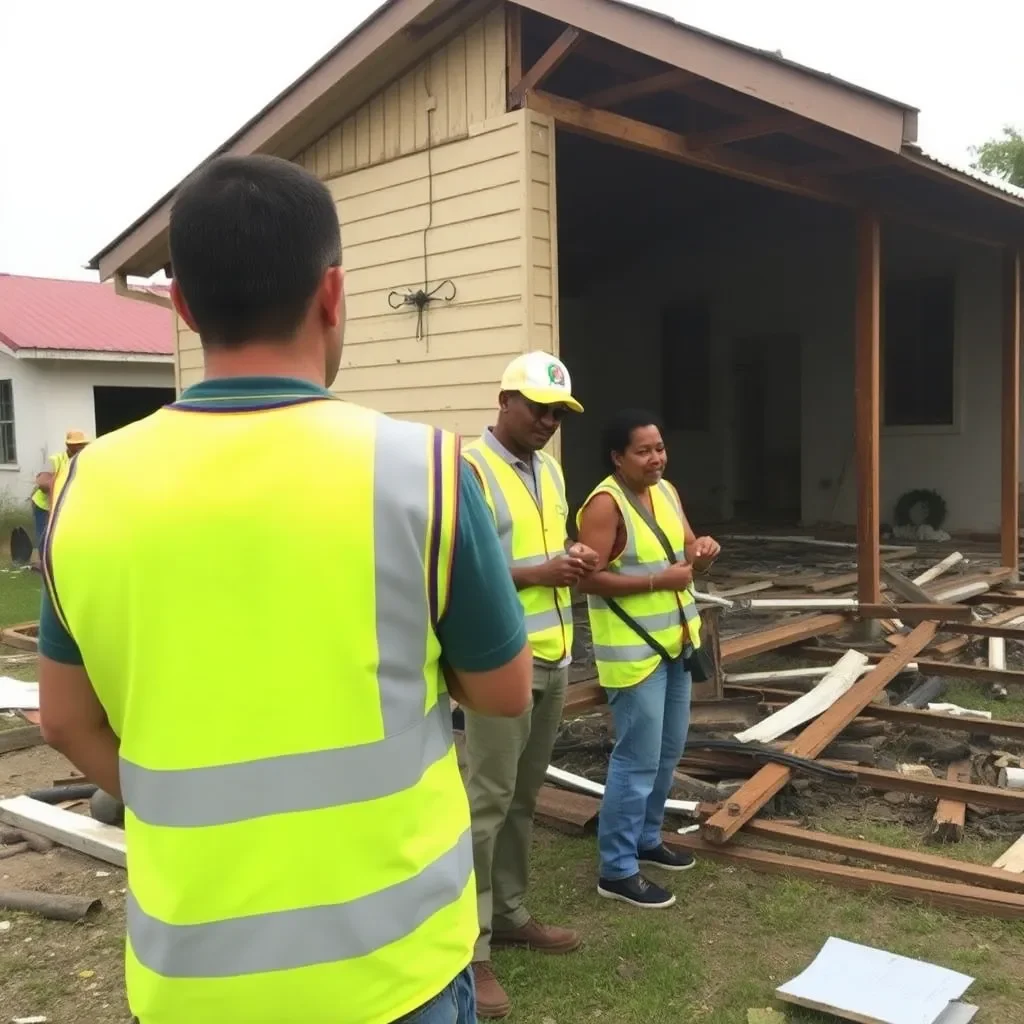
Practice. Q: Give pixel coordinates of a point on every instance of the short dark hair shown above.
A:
(251, 238)
(618, 432)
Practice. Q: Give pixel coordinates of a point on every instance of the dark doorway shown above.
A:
(117, 407)
(766, 428)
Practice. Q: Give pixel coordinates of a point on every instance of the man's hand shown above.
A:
(560, 571)
(677, 577)
(706, 549)
(588, 556)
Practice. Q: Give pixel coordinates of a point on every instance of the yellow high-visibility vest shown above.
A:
(530, 534)
(623, 658)
(39, 497)
(298, 834)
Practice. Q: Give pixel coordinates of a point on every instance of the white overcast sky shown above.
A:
(105, 106)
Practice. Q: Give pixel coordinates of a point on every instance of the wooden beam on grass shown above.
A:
(951, 815)
(1010, 415)
(626, 131)
(546, 65)
(652, 85)
(945, 895)
(75, 831)
(874, 853)
(757, 791)
(740, 131)
(867, 412)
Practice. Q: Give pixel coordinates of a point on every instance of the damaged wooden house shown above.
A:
(825, 317)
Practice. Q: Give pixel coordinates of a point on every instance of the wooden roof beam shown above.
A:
(665, 81)
(772, 124)
(546, 65)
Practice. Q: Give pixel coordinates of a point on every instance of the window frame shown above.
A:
(7, 385)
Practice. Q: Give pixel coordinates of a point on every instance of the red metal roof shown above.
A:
(81, 316)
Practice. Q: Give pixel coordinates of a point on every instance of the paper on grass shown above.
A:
(872, 985)
(15, 694)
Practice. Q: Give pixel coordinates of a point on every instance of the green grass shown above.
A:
(19, 595)
(970, 694)
(732, 938)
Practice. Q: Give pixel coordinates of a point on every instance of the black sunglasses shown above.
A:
(539, 410)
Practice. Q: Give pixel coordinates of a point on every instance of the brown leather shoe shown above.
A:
(492, 1002)
(540, 938)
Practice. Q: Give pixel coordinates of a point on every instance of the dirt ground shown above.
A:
(69, 973)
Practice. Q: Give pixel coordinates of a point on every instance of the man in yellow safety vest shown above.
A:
(74, 442)
(525, 490)
(298, 835)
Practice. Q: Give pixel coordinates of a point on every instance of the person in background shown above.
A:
(298, 834)
(645, 630)
(507, 759)
(74, 442)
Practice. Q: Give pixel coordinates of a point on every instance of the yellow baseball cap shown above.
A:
(75, 437)
(541, 378)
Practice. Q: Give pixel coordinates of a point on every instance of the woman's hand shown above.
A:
(707, 549)
(677, 577)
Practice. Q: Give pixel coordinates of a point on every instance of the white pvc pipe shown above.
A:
(811, 540)
(938, 569)
(1011, 778)
(721, 602)
(596, 789)
(997, 652)
(782, 674)
(846, 604)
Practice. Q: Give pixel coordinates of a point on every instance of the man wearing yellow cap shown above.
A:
(507, 759)
(74, 442)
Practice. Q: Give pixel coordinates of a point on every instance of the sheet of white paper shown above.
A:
(15, 694)
(862, 983)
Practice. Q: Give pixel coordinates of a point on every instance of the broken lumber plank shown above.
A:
(946, 895)
(931, 666)
(951, 815)
(906, 588)
(875, 853)
(745, 588)
(571, 813)
(917, 612)
(997, 631)
(20, 738)
(840, 678)
(756, 792)
(1012, 860)
(760, 641)
(75, 831)
(905, 716)
(882, 781)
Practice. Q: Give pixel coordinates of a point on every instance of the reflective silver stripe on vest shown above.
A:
(528, 562)
(289, 939)
(623, 652)
(502, 514)
(281, 785)
(652, 623)
(413, 740)
(542, 620)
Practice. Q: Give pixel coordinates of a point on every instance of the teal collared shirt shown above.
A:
(483, 626)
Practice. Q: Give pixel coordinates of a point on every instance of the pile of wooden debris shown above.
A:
(847, 697)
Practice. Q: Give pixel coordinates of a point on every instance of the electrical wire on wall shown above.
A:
(422, 297)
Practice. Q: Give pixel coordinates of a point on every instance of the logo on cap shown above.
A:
(556, 375)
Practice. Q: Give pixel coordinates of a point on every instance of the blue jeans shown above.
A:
(40, 517)
(651, 720)
(455, 1005)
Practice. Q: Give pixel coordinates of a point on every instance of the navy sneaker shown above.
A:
(666, 859)
(636, 891)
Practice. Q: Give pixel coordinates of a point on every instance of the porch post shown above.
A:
(867, 405)
(1011, 407)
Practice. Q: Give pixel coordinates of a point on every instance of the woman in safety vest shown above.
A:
(646, 633)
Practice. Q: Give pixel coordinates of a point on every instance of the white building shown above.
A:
(74, 354)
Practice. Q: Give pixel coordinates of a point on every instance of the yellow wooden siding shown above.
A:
(540, 233)
(188, 356)
(458, 213)
(457, 86)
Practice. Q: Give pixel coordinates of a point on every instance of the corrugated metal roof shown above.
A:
(969, 172)
(765, 54)
(81, 316)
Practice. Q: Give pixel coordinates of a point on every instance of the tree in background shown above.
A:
(1002, 157)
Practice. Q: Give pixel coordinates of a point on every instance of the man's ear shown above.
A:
(331, 296)
(178, 300)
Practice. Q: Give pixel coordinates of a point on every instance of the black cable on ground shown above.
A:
(765, 754)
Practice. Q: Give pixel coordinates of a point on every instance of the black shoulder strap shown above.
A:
(639, 630)
(643, 512)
